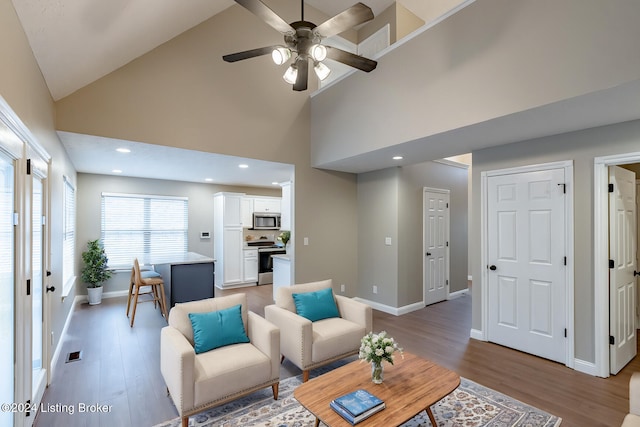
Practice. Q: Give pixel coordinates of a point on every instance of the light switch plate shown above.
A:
(387, 241)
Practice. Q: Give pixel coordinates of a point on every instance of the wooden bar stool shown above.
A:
(157, 291)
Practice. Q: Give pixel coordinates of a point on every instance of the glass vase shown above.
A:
(377, 372)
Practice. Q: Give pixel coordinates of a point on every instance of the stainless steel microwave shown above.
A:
(266, 221)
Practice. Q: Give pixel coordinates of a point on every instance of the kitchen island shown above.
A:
(187, 276)
(281, 272)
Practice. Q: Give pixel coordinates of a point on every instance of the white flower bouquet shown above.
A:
(378, 347)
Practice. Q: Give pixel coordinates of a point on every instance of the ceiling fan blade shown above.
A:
(357, 14)
(239, 56)
(350, 59)
(267, 15)
(303, 75)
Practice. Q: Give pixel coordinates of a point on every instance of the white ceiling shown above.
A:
(98, 155)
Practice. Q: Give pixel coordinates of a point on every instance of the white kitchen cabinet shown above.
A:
(266, 204)
(227, 240)
(247, 212)
(251, 265)
(285, 206)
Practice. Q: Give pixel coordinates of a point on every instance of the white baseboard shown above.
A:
(458, 294)
(396, 311)
(585, 367)
(477, 334)
(105, 295)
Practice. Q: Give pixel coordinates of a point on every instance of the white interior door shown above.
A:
(622, 255)
(526, 256)
(7, 283)
(436, 245)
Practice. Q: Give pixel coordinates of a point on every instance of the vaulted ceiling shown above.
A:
(77, 42)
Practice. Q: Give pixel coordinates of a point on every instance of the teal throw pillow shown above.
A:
(218, 328)
(316, 305)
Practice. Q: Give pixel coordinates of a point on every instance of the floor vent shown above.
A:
(74, 356)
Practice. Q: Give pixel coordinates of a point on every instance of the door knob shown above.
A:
(636, 273)
(428, 253)
(51, 289)
(493, 268)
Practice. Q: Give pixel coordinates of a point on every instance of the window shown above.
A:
(68, 237)
(143, 227)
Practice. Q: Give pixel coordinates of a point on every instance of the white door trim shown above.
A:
(426, 190)
(569, 241)
(601, 255)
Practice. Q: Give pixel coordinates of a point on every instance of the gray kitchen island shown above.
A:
(187, 276)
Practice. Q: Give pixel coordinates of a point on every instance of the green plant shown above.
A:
(284, 237)
(95, 270)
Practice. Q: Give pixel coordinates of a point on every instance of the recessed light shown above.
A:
(243, 166)
(116, 171)
(275, 183)
(398, 157)
(209, 179)
(123, 150)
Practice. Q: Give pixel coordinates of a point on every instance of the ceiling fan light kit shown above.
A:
(304, 38)
(280, 55)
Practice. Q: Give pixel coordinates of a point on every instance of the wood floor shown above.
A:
(120, 366)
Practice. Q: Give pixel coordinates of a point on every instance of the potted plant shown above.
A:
(94, 271)
(284, 238)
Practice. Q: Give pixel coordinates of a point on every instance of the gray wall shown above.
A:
(489, 60)
(390, 204)
(90, 188)
(581, 147)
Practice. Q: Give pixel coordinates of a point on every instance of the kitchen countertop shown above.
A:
(179, 258)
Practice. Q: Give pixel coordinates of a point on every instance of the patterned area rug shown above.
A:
(470, 405)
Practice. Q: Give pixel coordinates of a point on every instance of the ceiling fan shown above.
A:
(304, 38)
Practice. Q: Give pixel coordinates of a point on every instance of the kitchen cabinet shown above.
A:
(227, 239)
(266, 204)
(285, 206)
(247, 212)
(251, 265)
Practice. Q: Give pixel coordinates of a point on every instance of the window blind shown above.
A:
(143, 227)
(68, 232)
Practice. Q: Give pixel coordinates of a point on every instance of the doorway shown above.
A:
(605, 362)
(24, 261)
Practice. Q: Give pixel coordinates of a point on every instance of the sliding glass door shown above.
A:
(7, 281)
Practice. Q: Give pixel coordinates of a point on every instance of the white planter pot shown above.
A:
(95, 295)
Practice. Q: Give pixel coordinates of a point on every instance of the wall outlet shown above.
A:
(375, 289)
(343, 288)
(387, 241)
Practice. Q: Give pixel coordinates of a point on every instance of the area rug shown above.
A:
(470, 405)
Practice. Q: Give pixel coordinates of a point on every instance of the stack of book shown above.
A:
(357, 406)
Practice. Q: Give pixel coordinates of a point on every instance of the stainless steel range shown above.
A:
(265, 263)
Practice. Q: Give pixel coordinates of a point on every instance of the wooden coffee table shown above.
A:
(410, 386)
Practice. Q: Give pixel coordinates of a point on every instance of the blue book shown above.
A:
(357, 406)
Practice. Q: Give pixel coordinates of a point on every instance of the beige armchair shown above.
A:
(199, 381)
(308, 344)
(633, 417)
